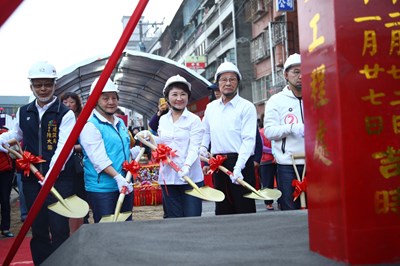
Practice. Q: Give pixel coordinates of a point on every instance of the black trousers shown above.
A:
(6, 180)
(234, 201)
(49, 230)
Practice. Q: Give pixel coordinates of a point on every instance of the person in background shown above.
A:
(106, 146)
(284, 124)
(215, 92)
(267, 169)
(35, 121)
(182, 131)
(6, 181)
(73, 102)
(153, 125)
(22, 205)
(162, 110)
(230, 123)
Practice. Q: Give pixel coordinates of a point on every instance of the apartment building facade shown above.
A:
(252, 34)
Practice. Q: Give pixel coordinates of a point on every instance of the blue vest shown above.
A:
(117, 148)
(40, 137)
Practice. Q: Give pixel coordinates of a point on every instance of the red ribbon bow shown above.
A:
(215, 162)
(162, 152)
(299, 187)
(132, 167)
(24, 163)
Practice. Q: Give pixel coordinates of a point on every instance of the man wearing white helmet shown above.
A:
(284, 124)
(43, 126)
(105, 144)
(230, 124)
(180, 130)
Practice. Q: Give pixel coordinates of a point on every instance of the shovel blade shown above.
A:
(112, 218)
(71, 207)
(207, 193)
(264, 194)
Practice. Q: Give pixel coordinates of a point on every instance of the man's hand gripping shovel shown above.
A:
(72, 207)
(263, 194)
(205, 192)
(118, 216)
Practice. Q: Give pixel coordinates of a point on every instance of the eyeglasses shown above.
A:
(39, 85)
(296, 72)
(225, 80)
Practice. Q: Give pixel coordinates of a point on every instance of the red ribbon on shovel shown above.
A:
(299, 187)
(216, 162)
(24, 163)
(162, 152)
(133, 167)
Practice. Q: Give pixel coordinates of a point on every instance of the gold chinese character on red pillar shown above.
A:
(317, 41)
(387, 201)
(374, 125)
(367, 1)
(396, 124)
(318, 91)
(370, 42)
(390, 162)
(373, 96)
(321, 150)
(371, 73)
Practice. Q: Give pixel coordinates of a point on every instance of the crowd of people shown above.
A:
(94, 169)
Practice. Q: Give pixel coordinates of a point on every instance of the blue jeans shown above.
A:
(286, 175)
(267, 175)
(180, 204)
(22, 205)
(103, 203)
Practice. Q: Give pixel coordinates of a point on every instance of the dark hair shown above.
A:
(179, 85)
(73, 95)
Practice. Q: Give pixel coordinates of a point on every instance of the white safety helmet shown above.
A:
(227, 67)
(292, 60)
(109, 87)
(176, 79)
(42, 69)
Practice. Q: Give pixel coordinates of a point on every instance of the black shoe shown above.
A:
(7, 233)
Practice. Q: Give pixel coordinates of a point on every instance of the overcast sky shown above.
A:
(65, 32)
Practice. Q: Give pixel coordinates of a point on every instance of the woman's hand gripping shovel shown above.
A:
(205, 192)
(263, 194)
(72, 207)
(117, 216)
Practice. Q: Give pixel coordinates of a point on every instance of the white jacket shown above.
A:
(282, 110)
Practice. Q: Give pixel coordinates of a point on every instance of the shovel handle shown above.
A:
(171, 163)
(145, 142)
(36, 172)
(239, 180)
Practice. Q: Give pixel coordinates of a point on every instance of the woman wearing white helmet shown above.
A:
(181, 130)
(105, 144)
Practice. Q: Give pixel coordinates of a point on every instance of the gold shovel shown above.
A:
(117, 216)
(71, 207)
(205, 192)
(263, 194)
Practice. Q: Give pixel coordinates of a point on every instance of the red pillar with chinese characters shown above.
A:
(351, 88)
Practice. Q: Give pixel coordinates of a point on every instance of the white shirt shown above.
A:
(92, 141)
(184, 136)
(231, 128)
(67, 124)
